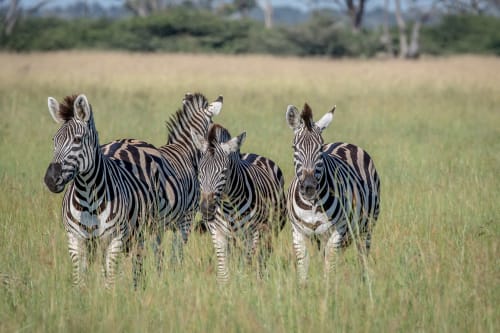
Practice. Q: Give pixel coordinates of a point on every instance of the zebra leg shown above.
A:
(252, 246)
(220, 245)
(332, 249)
(299, 246)
(158, 250)
(184, 227)
(177, 255)
(137, 261)
(78, 254)
(114, 249)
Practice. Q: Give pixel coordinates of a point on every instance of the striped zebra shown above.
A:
(177, 184)
(106, 205)
(242, 195)
(334, 196)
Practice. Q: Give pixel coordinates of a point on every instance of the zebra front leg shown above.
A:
(252, 246)
(220, 245)
(78, 253)
(114, 249)
(332, 250)
(301, 254)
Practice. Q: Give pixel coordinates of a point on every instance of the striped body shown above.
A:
(106, 204)
(335, 194)
(176, 183)
(241, 195)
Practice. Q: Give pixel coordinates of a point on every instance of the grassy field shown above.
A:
(432, 127)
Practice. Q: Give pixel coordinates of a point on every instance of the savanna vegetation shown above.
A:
(431, 126)
(190, 30)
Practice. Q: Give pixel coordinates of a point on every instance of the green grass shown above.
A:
(432, 127)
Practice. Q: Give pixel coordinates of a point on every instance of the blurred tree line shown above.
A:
(334, 28)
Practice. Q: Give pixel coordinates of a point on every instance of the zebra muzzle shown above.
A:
(308, 187)
(207, 204)
(53, 178)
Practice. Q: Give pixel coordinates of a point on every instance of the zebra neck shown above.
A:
(91, 185)
(235, 183)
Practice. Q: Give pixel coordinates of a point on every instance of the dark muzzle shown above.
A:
(53, 178)
(207, 205)
(308, 186)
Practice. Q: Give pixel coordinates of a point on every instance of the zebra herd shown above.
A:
(122, 190)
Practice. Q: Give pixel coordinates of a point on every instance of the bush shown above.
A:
(463, 34)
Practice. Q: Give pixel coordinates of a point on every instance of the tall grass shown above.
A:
(432, 127)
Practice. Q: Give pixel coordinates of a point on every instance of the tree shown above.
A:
(267, 8)
(14, 10)
(244, 6)
(143, 8)
(355, 10)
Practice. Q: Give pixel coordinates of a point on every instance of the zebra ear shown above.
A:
(216, 106)
(292, 117)
(326, 119)
(234, 144)
(82, 108)
(199, 142)
(54, 109)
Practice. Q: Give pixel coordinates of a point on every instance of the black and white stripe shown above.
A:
(241, 195)
(335, 194)
(106, 204)
(176, 184)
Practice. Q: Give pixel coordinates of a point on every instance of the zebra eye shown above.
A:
(77, 140)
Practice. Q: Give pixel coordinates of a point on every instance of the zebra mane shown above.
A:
(217, 134)
(307, 116)
(178, 125)
(66, 108)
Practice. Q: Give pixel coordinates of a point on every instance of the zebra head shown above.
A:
(75, 143)
(308, 148)
(214, 167)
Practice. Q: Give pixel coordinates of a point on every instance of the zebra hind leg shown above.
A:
(158, 251)
(137, 262)
(184, 227)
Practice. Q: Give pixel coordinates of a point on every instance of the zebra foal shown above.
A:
(334, 196)
(241, 195)
(106, 204)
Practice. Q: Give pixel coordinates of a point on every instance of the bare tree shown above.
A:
(267, 8)
(420, 15)
(143, 8)
(386, 36)
(14, 11)
(355, 10)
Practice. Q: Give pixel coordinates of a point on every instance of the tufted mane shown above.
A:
(307, 116)
(178, 125)
(66, 109)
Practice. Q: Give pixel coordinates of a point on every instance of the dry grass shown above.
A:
(432, 127)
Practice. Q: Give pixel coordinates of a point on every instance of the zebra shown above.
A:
(334, 196)
(177, 186)
(241, 195)
(106, 204)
